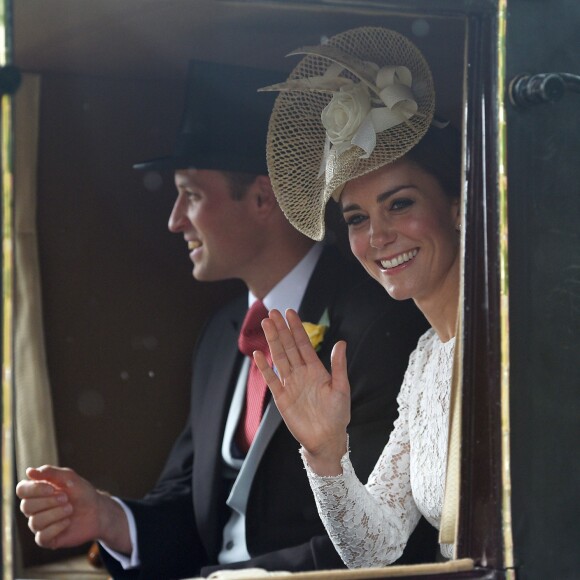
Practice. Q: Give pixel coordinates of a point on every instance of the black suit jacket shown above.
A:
(180, 522)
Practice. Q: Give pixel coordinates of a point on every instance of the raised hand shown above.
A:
(65, 510)
(314, 404)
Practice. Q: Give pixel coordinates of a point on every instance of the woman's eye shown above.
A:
(401, 203)
(354, 220)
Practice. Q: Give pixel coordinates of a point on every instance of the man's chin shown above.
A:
(203, 275)
(199, 276)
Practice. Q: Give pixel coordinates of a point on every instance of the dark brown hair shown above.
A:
(439, 153)
(239, 183)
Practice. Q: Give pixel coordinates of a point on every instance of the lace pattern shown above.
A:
(370, 524)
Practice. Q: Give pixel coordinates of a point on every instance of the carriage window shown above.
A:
(108, 311)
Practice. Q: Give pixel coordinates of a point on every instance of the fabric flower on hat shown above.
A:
(343, 116)
(353, 117)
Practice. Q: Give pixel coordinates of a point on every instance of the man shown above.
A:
(232, 495)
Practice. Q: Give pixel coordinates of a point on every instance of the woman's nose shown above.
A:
(381, 234)
(178, 217)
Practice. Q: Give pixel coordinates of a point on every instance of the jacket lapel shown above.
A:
(220, 383)
(322, 285)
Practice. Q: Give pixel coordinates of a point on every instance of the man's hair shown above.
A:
(239, 183)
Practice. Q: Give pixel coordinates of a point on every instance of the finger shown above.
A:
(48, 538)
(268, 373)
(277, 351)
(30, 489)
(44, 520)
(301, 339)
(61, 477)
(338, 366)
(30, 507)
(288, 342)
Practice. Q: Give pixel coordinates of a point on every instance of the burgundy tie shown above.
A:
(252, 338)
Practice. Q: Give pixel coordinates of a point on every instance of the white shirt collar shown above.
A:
(288, 293)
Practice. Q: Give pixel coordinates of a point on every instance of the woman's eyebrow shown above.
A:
(380, 198)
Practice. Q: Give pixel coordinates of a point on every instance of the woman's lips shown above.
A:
(402, 258)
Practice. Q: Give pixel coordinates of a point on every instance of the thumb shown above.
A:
(338, 367)
(60, 477)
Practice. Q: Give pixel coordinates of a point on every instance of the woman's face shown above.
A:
(403, 230)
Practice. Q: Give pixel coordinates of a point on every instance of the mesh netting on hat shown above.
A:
(296, 136)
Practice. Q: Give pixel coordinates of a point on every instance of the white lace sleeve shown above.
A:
(370, 525)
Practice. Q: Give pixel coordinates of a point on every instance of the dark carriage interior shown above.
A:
(120, 307)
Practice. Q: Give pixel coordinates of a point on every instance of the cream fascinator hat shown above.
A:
(350, 106)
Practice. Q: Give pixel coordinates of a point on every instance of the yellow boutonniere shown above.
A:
(316, 332)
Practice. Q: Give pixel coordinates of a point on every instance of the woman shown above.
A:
(402, 210)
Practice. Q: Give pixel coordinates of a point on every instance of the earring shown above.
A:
(458, 227)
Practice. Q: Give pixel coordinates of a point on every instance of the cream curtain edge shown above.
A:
(448, 529)
(34, 421)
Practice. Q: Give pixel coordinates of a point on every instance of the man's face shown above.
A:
(221, 232)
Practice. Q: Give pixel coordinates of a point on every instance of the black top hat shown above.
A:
(225, 122)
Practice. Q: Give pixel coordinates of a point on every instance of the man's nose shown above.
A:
(178, 217)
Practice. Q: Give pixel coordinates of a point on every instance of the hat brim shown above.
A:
(163, 163)
(225, 162)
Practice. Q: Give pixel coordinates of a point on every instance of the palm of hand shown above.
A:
(314, 404)
(314, 409)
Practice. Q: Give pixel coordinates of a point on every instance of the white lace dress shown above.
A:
(370, 524)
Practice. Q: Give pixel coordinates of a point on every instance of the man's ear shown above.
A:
(263, 194)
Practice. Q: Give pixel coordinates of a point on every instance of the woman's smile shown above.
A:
(391, 265)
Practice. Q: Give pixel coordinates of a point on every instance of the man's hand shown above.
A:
(315, 405)
(65, 510)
